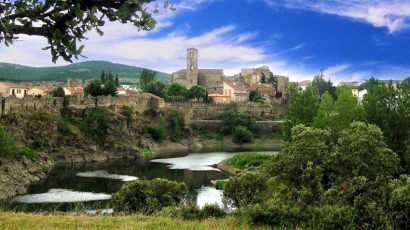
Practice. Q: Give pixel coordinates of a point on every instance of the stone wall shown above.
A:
(205, 111)
(265, 127)
(140, 103)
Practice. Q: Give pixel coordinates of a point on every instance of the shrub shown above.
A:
(275, 213)
(242, 135)
(192, 212)
(399, 202)
(158, 131)
(149, 196)
(334, 217)
(247, 160)
(128, 113)
(243, 190)
(233, 119)
(175, 124)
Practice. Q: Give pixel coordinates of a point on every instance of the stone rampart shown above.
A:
(139, 103)
(266, 127)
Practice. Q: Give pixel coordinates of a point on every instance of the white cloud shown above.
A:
(392, 14)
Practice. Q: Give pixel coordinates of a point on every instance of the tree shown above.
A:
(65, 23)
(147, 77)
(323, 118)
(109, 88)
(175, 92)
(263, 78)
(361, 151)
(324, 86)
(59, 92)
(93, 88)
(256, 97)
(389, 109)
(196, 92)
(302, 109)
(273, 79)
(117, 80)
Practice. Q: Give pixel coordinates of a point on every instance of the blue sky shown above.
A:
(351, 40)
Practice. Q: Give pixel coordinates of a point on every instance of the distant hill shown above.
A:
(81, 70)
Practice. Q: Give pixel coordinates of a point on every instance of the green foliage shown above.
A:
(175, 92)
(148, 196)
(129, 114)
(242, 135)
(244, 190)
(302, 109)
(334, 217)
(196, 92)
(96, 88)
(63, 25)
(10, 149)
(147, 153)
(273, 79)
(175, 124)
(148, 77)
(256, 97)
(361, 151)
(233, 119)
(322, 86)
(399, 202)
(158, 130)
(389, 109)
(59, 92)
(156, 88)
(220, 184)
(192, 212)
(245, 161)
(263, 78)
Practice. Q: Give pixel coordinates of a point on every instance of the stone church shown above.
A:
(208, 78)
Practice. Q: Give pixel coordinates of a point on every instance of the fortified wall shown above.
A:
(140, 103)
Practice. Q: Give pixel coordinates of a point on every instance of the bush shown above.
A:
(10, 149)
(243, 190)
(242, 135)
(247, 160)
(233, 119)
(175, 124)
(192, 212)
(334, 217)
(158, 131)
(275, 213)
(399, 202)
(148, 196)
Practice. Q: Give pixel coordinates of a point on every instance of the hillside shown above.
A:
(82, 70)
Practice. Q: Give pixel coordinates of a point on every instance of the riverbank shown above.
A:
(11, 220)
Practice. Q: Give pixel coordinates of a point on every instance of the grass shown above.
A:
(245, 161)
(11, 220)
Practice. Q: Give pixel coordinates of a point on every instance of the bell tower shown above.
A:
(192, 67)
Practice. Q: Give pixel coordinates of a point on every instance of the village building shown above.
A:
(220, 98)
(73, 82)
(253, 75)
(238, 91)
(264, 89)
(354, 86)
(73, 91)
(8, 89)
(192, 75)
(303, 84)
(41, 90)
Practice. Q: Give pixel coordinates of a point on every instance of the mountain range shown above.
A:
(81, 70)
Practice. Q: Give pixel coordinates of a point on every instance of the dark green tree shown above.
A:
(59, 92)
(94, 88)
(303, 107)
(147, 77)
(273, 79)
(175, 92)
(323, 86)
(263, 78)
(196, 92)
(65, 23)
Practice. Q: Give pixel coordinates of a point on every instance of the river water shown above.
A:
(89, 186)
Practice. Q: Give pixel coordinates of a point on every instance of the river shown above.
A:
(89, 186)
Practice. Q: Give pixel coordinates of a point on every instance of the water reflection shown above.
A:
(96, 181)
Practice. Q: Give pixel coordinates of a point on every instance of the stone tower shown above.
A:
(192, 67)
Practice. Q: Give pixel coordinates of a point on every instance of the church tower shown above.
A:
(192, 67)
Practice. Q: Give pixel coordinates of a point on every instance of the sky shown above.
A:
(350, 40)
